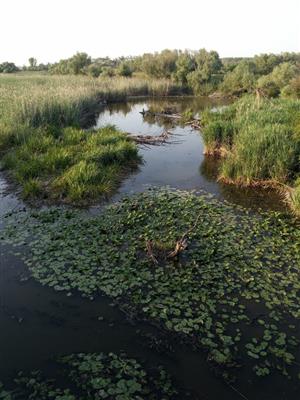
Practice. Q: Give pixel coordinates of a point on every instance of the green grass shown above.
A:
(39, 100)
(295, 198)
(43, 147)
(71, 165)
(261, 141)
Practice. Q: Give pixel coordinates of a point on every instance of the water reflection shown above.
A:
(180, 163)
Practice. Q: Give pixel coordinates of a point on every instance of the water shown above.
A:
(181, 163)
(38, 324)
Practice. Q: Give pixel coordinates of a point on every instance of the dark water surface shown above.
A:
(37, 323)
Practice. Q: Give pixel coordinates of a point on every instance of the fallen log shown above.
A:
(151, 139)
(160, 114)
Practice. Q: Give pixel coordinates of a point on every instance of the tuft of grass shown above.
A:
(32, 188)
(75, 166)
(295, 198)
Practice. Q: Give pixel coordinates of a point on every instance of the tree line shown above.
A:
(200, 72)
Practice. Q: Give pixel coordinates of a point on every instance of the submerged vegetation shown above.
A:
(260, 142)
(232, 291)
(94, 376)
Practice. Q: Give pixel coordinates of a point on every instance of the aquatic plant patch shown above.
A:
(90, 376)
(233, 290)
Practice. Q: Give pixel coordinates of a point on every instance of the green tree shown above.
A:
(32, 62)
(241, 79)
(78, 62)
(184, 65)
(8, 67)
(206, 74)
(278, 79)
(124, 69)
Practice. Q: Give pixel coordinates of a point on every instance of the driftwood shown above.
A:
(150, 139)
(194, 123)
(149, 246)
(180, 246)
(168, 113)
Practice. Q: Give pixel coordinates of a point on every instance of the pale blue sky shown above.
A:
(53, 29)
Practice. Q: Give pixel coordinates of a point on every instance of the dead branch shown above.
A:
(151, 255)
(167, 113)
(151, 140)
(182, 243)
(194, 123)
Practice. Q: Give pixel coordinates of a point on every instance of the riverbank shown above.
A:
(258, 140)
(45, 151)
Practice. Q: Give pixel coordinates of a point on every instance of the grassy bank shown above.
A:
(70, 164)
(232, 292)
(260, 142)
(40, 137)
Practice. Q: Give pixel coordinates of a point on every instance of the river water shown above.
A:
(38, 324)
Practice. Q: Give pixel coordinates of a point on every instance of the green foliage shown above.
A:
(204, 78)
(159, 65)
(4, 394)
(261, 139)
(218, 130)
(184, 65)
(8, 67)
(32, 62)
(74, 65)
(93, 70)
(293, 89)
(278, 79)
(71, 164)
(124, 69)
(94, 376)
(240, 80)
(233, 291)
(295, 198)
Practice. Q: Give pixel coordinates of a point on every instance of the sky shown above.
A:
(50, 30)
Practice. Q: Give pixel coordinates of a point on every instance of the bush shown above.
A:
(240, 80)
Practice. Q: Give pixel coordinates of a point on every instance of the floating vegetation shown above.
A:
(233, 290)
(94, 376)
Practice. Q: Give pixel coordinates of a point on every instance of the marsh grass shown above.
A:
(41, 139)
(295, 198)
(72, 166)
(261, 139)
(39, 100)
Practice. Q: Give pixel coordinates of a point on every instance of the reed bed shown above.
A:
(260, 142)
(35, 111)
